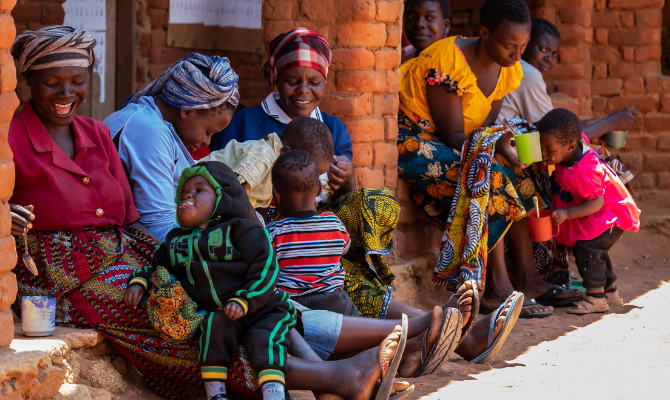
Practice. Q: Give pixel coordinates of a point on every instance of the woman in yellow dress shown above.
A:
(469, 180)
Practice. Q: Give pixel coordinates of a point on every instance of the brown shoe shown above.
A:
(614, 298)
(590, 305)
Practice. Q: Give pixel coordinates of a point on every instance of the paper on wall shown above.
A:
(90, 15)
(223, 13)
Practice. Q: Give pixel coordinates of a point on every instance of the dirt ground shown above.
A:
(624, 354)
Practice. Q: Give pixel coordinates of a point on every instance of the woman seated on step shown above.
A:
(448, 92)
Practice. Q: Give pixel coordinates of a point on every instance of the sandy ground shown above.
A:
(624, 354)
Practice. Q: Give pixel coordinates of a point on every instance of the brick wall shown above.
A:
(8, 103)
(154, 56)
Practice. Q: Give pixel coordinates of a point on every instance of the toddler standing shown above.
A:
(591, 205)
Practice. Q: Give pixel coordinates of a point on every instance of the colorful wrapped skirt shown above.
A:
(370, 216)
(474, 196)
(86, 271)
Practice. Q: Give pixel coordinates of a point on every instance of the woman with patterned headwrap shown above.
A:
(297, 67)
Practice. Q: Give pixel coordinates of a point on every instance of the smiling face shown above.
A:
(507, 44)
(553, 151)
(300, 91)
(543, 52)
(198, 200)
(195, 128)
(57, 93)
(424, 23)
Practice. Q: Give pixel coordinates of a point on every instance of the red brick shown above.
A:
(599, 53)
(7, 290)
(52, 14)
(575, 16)
(644, 180)
(7, 331)
(600, 71)
(560, 100)
(155, 70)
(162, 4)
(648, 18)
(144, 44)
(663, 141)
(27, 12)
(634, 36)
(658, 84)
(7, 5)
(158, 18)
(644, 142)
(605, 19)
(385, 104)
(656, 122)
(361, 34)
(361, 81)
(391, 128)
(159, 38)
(35, 25)
(389, 11)
(644, 53)
(566, 71)
(7, 253)
(393, 35)
(657, 162)
(633, 161)
(664, 180)
(349, 59)
(628, 53)
(621, 69)
(366, 177)
(574, 89)
(363, 155)
(598, 105)
(385, 154)
(354, 104)
(7, 72)
(7, 31)
(627, 19)
(566, 3)
(578, 54)
(7, 181)
(635, 4)
(277, 10)
(391, 175)
(601, 35)
(547, 13)
(588, 35)
(647, 68)
(387, 59)
(141, 14)
(460, 18)
(366, 129)
(572, 34)
(645, 104)
(634, 84)
(393, 80)
(606, 87)
(600, 4)
(8, 103)
(327, 11)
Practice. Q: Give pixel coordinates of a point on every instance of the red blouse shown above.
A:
(91, 190)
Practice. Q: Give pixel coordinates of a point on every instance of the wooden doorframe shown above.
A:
(126, 49)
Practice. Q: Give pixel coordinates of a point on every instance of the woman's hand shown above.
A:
(233, 310)
(504, 148)
(340, 172)
(623, 119)
(21, 217)
(133, 295)
(559, 216)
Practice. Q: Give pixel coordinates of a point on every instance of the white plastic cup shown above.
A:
(38, 315)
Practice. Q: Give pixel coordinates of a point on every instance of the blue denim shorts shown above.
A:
(322, 329)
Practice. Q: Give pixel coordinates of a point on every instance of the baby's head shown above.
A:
(560, 131)
(295, 182)
(197, 202)
(312, 136)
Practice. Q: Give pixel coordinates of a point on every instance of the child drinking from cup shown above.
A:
(591, 205)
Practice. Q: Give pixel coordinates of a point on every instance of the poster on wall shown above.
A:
(90, 15)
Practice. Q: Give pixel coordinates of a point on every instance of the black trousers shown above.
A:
(264, 335)
(593, 260)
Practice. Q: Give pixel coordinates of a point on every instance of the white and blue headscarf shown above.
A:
(184, 85)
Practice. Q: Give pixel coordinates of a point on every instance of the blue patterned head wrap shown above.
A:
(184, 85)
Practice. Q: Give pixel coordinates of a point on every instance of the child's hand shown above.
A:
(340, 172)
(233, 310)
(559, 216)
(133, 295)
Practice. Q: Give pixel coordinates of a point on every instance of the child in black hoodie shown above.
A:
(224, 260)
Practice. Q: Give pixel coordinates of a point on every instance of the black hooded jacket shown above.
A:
(230, 260)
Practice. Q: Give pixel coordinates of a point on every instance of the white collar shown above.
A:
(275, 112)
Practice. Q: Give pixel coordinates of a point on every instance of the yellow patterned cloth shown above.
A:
(443, 64)
(370, 216)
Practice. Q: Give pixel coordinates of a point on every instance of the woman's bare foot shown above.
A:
(477, 341)
(411, 359)
(464, 302)
(534, 309)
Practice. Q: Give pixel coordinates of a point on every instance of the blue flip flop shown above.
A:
(494, 346)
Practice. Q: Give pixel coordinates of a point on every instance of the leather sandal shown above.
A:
(590, 305)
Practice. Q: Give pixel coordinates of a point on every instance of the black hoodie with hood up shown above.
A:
(230, 260)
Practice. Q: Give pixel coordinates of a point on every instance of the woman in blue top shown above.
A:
(297, 67)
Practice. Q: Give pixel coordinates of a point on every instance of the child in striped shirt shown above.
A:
(308, 245)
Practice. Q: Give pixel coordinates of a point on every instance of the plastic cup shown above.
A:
(528, 147)
(38, 315)
(616, 139)
(542, 229)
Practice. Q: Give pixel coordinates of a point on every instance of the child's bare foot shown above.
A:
(477, 341)
(411, 360)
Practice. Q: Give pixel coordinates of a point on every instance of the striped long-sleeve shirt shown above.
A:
(308, 248)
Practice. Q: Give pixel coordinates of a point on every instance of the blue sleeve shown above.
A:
(147, 148)
(341, 137)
